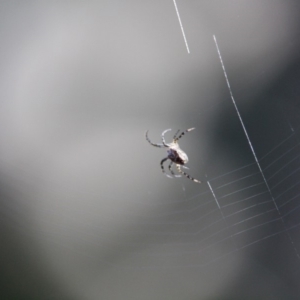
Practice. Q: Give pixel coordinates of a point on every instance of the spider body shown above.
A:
(175, 154)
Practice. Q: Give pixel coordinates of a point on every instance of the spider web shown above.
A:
(85, 202)
(240, 208)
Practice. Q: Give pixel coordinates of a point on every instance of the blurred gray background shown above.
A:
(85, 211)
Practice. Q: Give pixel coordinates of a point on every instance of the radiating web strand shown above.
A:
(250, 144)
(245, 199)
(236, 180)
(291, 199)
(288, 189)
(285, 178)
(235, 170)
(267, 237)
(213, 194)
(284, 166)
(243, 189)
(223, 217)
(240, 118)
(291, 211)
(279, 157)
(277, 146)
(186, 44)
(248, 207)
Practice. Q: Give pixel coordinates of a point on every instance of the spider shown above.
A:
(175, 154)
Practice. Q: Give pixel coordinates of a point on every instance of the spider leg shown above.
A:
(162, 167)
(171, 171)
(182, 134)
(156, 145)
(185, 174)
(174, 137)
(163, 137)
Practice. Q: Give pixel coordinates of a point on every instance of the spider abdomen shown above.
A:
(177, 156)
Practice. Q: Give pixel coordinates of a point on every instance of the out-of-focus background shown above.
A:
(86, 212)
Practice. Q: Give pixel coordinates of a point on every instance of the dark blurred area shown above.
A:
(85, 211)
